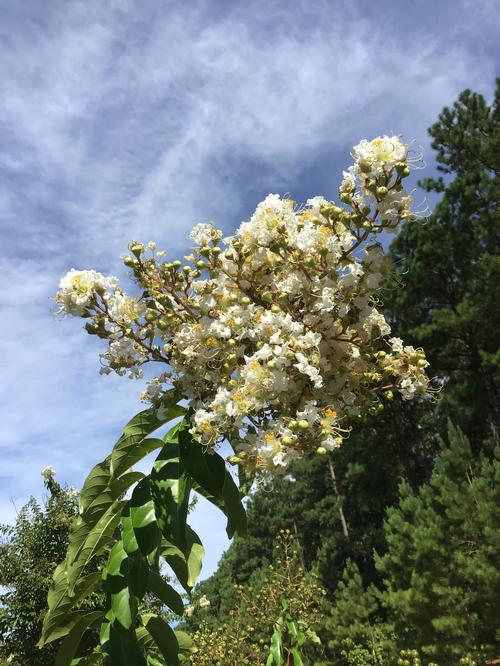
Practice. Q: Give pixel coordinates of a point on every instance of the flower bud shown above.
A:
(246, 300)
(271, 364)
(186, 269)
(382, 191)
(129, 261)
(275, 308)
(303, 424)
(286, 440)
(321, 450)
(137, 249)
(200, 264)
(176, 264)
(346, 197)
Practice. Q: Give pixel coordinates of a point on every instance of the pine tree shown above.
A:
(442, 565)
(450, 266)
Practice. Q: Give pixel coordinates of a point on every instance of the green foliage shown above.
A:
(131, 538)
(273, 619)
(442, 565)
(449, 266)
(435, 588)
(29, 553)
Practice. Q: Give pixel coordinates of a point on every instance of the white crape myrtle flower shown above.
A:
(204, 602)
(273, 336)
(48, 472)
(77, 289)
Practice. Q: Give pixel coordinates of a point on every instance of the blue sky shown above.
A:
(125, 119)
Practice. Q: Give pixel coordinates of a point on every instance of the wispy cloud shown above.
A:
(138, 119)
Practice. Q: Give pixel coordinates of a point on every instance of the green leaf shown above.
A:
(97, 540)
(186, 644)
(132, 445)
(275, 652)
(297, 659)
(170, 489)
(143, 518)
(233, 507)
(165, 592)
(165, 638)
(116, 576)
(59, 620)
(208, 470)
(229, 502)
(70, 644)
(123, 648)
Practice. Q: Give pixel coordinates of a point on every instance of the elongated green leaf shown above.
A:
(275, 652)
(297, 659)
(98, 539)
(207, 469)
(95, 485)
(165, 592)
(142, 515)
(229, 502)
(233, 507)
(70, 644)
(116, 576)
(123, 648)
(128, 535)
(165, 638)
(132, 446)
(60, 618)
(186, 566)
(186, 645)
(170, 490)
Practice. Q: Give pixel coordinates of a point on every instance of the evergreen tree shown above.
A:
(353, 629)
(450, 266)
(442, 565)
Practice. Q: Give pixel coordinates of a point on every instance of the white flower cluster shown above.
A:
(273, 335)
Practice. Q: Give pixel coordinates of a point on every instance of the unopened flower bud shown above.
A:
(321, 450)
(129, 261)
(303, 424)
(346, 197)
(246, 300)
(177, 264)
(275, 308)
(286, 440)
(382, 191)
(267, 296)
(137, 249)
(200, 264)
(271, 364)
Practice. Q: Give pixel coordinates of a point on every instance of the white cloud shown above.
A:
(138, 120)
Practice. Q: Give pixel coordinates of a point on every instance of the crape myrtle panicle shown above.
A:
(273, 334)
